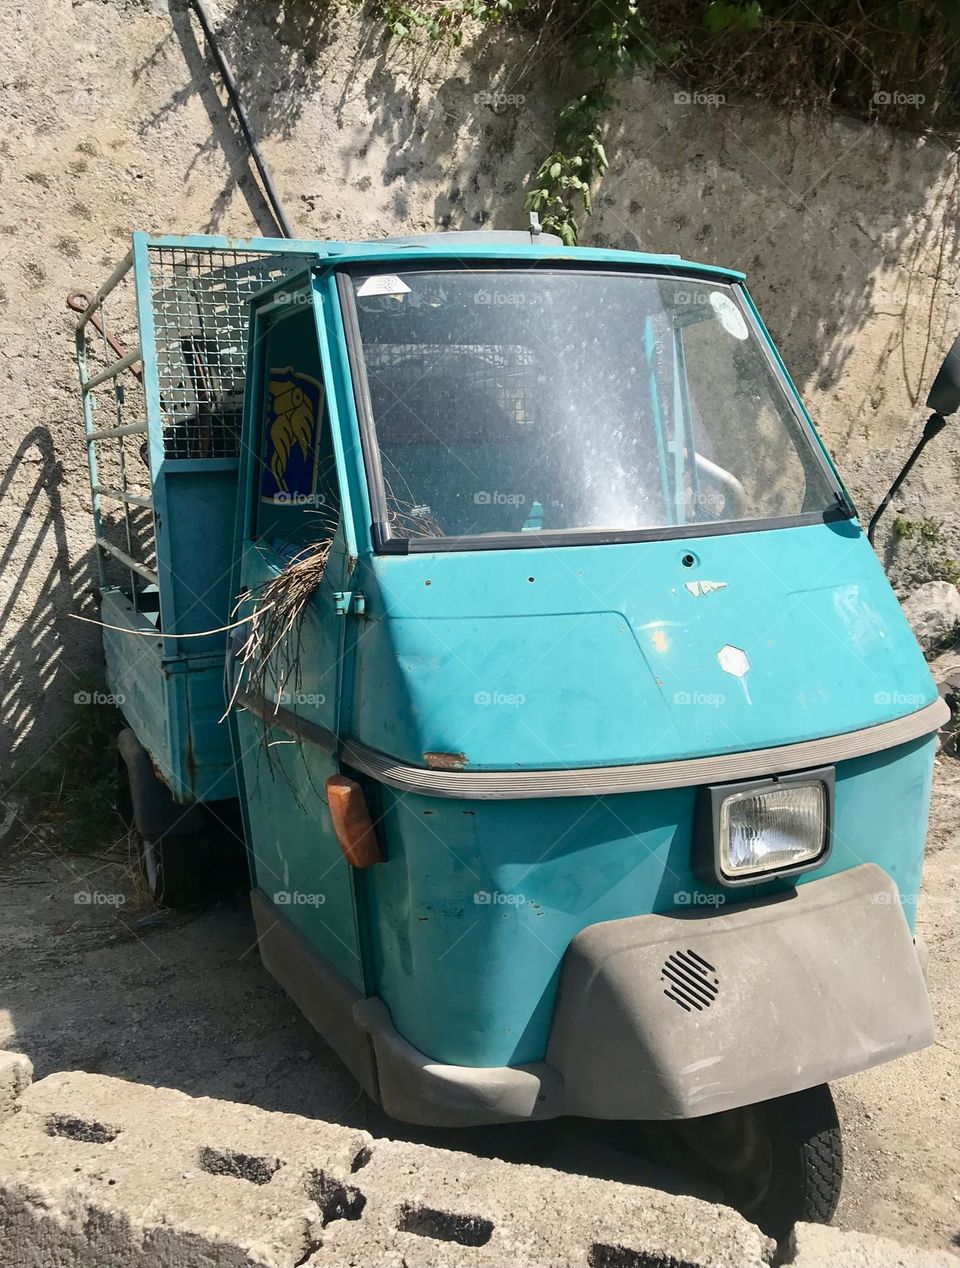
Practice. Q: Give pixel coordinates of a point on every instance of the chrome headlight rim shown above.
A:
(707, 835)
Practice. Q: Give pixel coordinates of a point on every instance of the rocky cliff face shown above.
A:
(110, 121)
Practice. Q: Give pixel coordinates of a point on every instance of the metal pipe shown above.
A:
(127, 561)
(135, 499)
(274, 199)
(80, 302)
(105, 290)
(88, 403)
(113, 370)
(109, 433)
(727, 481)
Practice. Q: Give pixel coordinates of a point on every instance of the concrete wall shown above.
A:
(111, 122)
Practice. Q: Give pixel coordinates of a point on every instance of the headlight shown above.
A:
(766, 828)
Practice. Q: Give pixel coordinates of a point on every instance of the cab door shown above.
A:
(291, 509)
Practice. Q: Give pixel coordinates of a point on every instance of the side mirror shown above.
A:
(944, 396)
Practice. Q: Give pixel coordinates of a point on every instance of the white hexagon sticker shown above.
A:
(734, 661)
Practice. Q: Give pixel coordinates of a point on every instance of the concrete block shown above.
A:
(432, 1208)
(16, 1075)
(96, 1170)
(820, 1246)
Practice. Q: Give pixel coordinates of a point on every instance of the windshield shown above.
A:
(534, 401)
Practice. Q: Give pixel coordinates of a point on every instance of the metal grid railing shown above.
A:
(198, 299)
(200, 302)
(109, 357)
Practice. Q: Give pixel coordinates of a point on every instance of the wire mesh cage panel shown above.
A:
(200, 301)
(161, 350)
(183, 309)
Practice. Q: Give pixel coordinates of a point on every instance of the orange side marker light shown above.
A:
(351, 822)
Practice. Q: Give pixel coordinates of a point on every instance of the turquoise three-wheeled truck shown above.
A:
(595, 779)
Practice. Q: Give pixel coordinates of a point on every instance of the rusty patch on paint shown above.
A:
(445, 761)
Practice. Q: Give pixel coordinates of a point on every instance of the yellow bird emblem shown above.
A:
(292, 425)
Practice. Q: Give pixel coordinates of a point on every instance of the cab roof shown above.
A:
(453, 246)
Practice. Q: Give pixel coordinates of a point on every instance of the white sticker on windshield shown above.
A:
(383, 284)
(731, 318)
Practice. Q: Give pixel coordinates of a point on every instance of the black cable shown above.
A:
(274, 199)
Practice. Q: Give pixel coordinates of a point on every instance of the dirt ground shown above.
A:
(92, 978)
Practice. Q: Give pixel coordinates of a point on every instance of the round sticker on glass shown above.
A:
(731, 318)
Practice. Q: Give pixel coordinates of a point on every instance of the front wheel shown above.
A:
(778, 1162)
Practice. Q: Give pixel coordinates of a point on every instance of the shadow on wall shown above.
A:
(40, 589)
(425, 125)
(847, 231)
(837, 223)
(225, 136)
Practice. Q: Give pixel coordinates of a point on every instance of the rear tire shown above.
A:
(173, 869)
(779, 1162)
(171, 844)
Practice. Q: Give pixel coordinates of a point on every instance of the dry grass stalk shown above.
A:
(269, 660)
(270, 656)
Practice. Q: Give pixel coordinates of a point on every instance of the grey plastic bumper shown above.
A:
(670, 1016)
(800, 989)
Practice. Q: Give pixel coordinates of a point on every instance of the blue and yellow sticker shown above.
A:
(291, 452)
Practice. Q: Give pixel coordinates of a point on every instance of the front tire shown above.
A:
(779, 1162)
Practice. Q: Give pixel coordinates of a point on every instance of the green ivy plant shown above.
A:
(437, 19)
(611, 42)
(563, 183)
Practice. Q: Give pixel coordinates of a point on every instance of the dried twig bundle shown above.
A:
(269, 659)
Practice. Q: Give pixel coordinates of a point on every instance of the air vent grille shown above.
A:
(689, 980)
